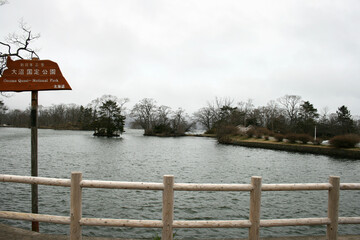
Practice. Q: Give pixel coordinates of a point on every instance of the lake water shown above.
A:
(191, 160)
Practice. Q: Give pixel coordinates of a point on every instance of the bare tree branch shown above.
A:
(2, 2)
(19, 42)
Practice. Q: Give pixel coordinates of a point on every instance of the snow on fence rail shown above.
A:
(76, 221)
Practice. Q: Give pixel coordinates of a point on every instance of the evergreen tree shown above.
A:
(110, 121)
(86, 118)
(307, 117)
(344, 120)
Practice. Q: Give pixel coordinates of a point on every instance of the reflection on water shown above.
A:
(190, 159)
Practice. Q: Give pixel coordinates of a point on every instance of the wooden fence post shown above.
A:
(75, 206)
(255, 205)
(168, 207)
(333, 208)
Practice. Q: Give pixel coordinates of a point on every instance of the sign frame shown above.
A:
(32, 75)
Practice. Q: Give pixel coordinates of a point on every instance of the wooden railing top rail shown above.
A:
(211, 187)
(36, 180)
(349, 220)
(177, 186)
(121, 222)
(349, 186)
(121, 185)
(296, 187)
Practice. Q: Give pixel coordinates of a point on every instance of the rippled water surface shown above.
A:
(190, 159)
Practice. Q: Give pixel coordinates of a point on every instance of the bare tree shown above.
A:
(17, 45)
(163, 115)
(205, 117)
(324, 112)
(209, 115)
(144, 114)
(218, 104)
(272, 112)
(245, 108)
(291, 104)
(179, 122)
(96, 103)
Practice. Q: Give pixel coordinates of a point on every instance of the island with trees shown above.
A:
(160, 120)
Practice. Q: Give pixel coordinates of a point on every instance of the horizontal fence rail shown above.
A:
(36, 180)
(76, 221)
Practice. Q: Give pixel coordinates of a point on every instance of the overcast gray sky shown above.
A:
(185, 53)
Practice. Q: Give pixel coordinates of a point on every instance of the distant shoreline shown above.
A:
(351, 153)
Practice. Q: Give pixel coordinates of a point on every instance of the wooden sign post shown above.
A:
(34, 156)
(33, 75)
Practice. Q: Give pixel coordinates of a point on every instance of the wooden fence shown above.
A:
(76, 221)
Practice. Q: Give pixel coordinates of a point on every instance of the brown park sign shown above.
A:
(32, 75)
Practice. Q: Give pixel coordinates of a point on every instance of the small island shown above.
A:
(160, 121)
(108, 120)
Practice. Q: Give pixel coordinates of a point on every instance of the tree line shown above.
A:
(287, 114)
(106, 117)
(103, 115)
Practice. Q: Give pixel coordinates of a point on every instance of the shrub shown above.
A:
(292, 137)
(251, 132)
(261, 131)
(345, 141)
(304, 138)
(223, 133)
(279, 137)
(258, 132)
